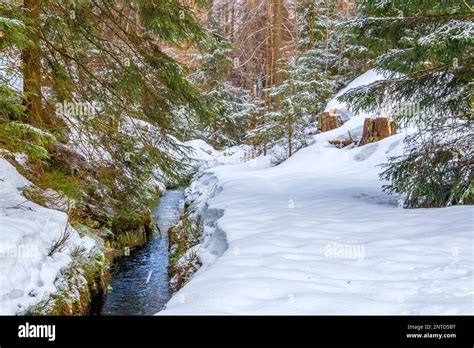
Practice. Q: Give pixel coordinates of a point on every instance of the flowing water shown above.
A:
(140, 284)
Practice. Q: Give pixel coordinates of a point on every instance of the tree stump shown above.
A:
(329, 120)
(376, 129)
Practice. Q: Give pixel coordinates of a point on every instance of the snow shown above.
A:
(204, 155)
(316, 235)
(8, 73)
(450, 31)
(200, 151)
(27, 231)
(365, 79)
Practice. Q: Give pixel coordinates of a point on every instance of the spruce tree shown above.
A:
(109, 55)
(425, 49)
(311, 74)
(13, 37)
(231, 106)
(16, 136)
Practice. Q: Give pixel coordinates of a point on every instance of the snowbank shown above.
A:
(27, 232)
(204, 186)
(316, 235)
(365, 79)
(206, 156)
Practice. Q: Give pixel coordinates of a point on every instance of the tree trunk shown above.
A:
(329, 121)
(377, 129)
(31, 59)
(277, 40)
(268, 66)
(290, 134)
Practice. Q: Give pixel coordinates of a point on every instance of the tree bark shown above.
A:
(377, 129)
(31, 60)
(277, 40)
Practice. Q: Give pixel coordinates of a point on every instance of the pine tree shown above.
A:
(31, 59)
(16, 136)
(231, 106)
(12, 36)
(109, 55)
(311, 74)
(425, 49)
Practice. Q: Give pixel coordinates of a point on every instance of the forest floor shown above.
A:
(317, 235)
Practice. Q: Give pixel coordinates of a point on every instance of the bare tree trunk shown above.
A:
(268, 65)
(290, 134)
(31, 59)
(277, 40)
(232, 23)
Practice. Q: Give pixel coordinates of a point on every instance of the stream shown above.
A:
(140, 283)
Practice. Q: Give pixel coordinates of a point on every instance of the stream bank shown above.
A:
(140, 283)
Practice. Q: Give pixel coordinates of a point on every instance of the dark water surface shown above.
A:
(140, 284)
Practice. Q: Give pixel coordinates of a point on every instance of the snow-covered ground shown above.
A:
(316, 235)
(313, 235)
(27, 232)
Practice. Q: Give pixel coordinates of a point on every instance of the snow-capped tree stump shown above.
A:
(329, 120)
(376, 129)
